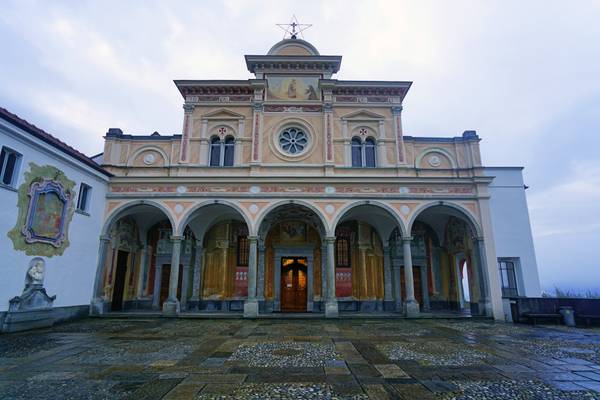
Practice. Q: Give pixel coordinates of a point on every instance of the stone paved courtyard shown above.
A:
(158, 358)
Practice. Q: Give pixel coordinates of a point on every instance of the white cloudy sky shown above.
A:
(525, 75)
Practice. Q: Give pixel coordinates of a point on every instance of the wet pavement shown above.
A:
(159, 358)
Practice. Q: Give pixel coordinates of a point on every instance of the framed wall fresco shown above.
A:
(293, 88)
(293, 232)
(45, 209)
(46, 214)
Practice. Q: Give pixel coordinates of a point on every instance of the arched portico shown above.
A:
(292, 258)
(445, 249)
(217, 276)
(365, 278)
(123, 279)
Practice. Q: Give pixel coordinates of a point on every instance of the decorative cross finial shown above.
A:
(294, 28)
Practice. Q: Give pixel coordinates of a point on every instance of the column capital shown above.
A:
(176, 239)
(478, 238)
(386, 249)
(198, 243)
(105, 238)
(407, 239)
(330, 239)
(253, 239)
(188, 108)
(396, 110)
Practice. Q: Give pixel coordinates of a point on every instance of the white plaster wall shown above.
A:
(511, 225)
(71, 276)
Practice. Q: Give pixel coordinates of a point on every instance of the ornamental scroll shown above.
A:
(45, 205)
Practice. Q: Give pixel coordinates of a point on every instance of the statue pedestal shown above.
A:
(33, 309)
(16, 321)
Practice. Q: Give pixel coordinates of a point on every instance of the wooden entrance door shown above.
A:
(294, 284)
(165, 277)
(119, 281)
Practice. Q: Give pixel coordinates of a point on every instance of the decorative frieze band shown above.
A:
(296, 189)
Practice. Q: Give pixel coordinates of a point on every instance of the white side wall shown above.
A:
(511, 226)
(71, 276)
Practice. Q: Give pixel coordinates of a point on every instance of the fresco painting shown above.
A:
(293, 88)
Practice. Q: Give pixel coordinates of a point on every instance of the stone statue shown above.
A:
(35, 273)
(34, 295)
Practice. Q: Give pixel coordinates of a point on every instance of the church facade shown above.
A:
(297, 192)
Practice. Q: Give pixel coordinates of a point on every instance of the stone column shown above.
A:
(171, 306)
(484, 291)
(143, 266)
(97, 304)
(260, 290)
(251, 304)
(387, 278)
(425, 287)
(411, 307)
(197, 278)
(459, 288)
(331, 307)
(397, 287)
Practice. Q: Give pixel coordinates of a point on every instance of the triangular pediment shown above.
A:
(362, 115)
(223, 114)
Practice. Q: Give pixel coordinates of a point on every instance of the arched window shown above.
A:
(222, 151)
(215, 151)
(369, 147)
(229, 147)
(363, 153)
(356, 152)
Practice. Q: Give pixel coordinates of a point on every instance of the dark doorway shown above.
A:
(294, 284)
(119, 281)
(165, 276)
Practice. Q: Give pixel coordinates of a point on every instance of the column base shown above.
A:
(251, 309)
(411, 308)
(331, 309)
(171, 307)
(98, 306)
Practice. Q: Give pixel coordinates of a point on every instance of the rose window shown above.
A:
(293, 141)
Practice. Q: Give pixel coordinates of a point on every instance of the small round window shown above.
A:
(293, 141)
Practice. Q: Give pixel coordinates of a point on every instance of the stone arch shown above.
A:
(139, 151)
(120, 212)
(386, 207)
(471, 219)
(272, 207)
(446, 153)
(187, 217)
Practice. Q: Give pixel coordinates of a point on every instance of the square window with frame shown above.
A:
(10, 162)
(508, 276)
(85, 197)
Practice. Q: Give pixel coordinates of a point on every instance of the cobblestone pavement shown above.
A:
(159, 358)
